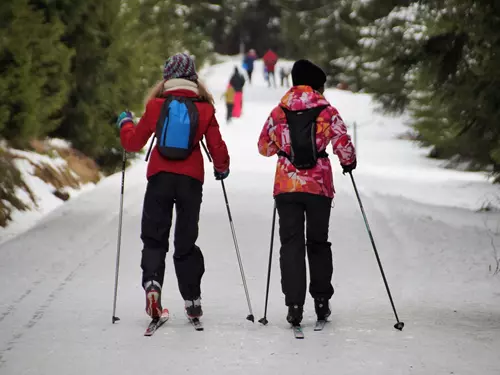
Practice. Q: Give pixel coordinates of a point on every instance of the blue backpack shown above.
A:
(176, 127)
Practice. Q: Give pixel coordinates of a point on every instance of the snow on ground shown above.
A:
(57, 278)
(46, 201)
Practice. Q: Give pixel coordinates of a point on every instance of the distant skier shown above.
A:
(284, 74)
(303, 187)
(229, 97)
(237, 81)
(248, 63)
(175, 177)
(270, 59)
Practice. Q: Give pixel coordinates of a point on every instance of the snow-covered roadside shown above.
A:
(45, 201)
(400, 167)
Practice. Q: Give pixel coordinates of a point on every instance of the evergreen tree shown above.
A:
(391, 51)
(460, 70)
(325, 32)
(34, 65)
(440, 60)
(95, 87)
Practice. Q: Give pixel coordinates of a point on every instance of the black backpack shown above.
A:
(302, 126)
(176, 127)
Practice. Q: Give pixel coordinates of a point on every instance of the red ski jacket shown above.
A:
(270, 59)
(134, 138)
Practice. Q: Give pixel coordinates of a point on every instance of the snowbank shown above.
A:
(51, 176)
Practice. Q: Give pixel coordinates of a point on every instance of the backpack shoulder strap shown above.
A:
(305, 115)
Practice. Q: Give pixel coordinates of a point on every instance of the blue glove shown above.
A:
(124, 118)
(221, 175)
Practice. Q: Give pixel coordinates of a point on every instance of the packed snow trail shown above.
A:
(57, 279)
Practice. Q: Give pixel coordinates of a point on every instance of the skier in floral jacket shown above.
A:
(304, 195)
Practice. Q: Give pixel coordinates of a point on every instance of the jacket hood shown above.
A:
(302, 97)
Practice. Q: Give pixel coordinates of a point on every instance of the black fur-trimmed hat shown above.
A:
(306, 73)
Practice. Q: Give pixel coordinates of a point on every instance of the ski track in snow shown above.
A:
(57, 278)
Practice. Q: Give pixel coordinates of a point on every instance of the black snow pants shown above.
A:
(229, 113)
(163, 191)
(294, 210)
(249, 72)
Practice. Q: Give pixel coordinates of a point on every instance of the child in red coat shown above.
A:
(175, 182)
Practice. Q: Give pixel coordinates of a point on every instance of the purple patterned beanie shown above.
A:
(180, 65)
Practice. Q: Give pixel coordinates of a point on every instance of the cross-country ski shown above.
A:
(157, 323)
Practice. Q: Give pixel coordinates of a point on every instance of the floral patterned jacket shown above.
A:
(275, 136)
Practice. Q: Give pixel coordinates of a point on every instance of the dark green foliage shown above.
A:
(99, 75)
(440, 59)
(462, 55)
(34, 79)
(70, 66)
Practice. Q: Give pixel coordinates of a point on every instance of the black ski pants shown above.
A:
(229, 114)
(295, 210)
(165, 190)
(249, 72)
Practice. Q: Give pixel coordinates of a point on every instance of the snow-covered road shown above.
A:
(56, 280)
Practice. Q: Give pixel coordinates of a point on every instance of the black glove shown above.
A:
(221, 175)
(349, 168)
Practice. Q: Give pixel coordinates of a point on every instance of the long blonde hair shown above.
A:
(157, 92)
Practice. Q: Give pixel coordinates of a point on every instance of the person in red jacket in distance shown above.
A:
(175, 182)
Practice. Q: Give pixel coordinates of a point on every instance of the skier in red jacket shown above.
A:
(270, 59)
(175, 182)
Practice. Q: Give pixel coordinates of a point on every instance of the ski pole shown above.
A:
(120, 221)
(250, 316)
(399, 325)
(264, 319)
(240, 263)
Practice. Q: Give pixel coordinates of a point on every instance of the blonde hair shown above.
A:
(204, 93)
(157, 92)
(154, 92)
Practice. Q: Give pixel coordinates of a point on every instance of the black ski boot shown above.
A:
(294, 316)
(193, 308)
(322, 307)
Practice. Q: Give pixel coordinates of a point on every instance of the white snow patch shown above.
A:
(43, 192)
(59, 143)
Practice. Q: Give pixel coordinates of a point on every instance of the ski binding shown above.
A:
(157, 323)
(197, 324)
(320, 324)
(297, 331)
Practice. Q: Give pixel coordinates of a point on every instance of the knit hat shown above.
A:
(180, 65)
(306, 73)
